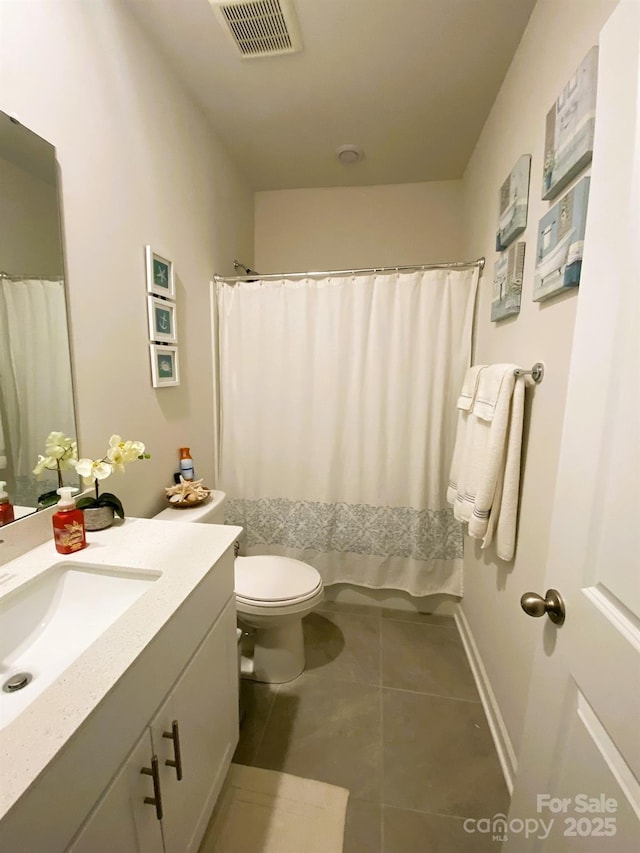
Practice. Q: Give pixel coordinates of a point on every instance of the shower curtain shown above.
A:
(35, 377)
(337, 422)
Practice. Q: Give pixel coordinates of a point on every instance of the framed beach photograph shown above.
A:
(568, 142)
(513, 203)
(507, 282)
(164, 365)
(162, 320)
(561, 243)
(160, 280)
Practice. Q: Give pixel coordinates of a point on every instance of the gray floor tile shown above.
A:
(345, 646)
(363, 829)
(427, 659)
(423, 618)
(414, 832)
(326, 730)
(256, 703)
(438, 756)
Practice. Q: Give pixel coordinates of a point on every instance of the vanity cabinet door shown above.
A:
(202, 710)
(122, 821)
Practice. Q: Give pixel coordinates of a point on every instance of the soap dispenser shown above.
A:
(6, 510)
(68, 523)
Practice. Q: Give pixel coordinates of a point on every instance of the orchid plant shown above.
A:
(61, 453)
(119, 454)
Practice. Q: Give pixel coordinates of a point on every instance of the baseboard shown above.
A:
(504, 748)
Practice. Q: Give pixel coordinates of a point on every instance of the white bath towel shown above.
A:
(485, 473)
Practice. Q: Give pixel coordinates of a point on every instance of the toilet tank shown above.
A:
(209, 512)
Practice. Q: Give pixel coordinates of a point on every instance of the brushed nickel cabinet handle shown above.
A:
(154, 772)
(176, 761)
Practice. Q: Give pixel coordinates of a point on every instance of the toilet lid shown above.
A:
(271, 578)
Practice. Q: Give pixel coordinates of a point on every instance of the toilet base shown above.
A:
(278, 652)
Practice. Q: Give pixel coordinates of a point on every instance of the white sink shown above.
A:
(50, 621)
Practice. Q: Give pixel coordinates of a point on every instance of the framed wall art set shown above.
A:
(568, 149)
(162, 317)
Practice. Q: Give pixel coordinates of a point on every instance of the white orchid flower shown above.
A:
(93, 469)
(120, 452)
(47, 462)
(61, 452)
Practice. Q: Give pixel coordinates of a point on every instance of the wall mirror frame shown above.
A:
(36, 384)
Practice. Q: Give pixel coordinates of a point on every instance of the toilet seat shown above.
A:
(271, 581)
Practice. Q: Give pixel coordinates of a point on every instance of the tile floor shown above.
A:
(387, 707)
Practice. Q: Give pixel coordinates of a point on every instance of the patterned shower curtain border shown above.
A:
(386, 531)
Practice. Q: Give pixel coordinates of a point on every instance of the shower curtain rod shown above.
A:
(24, 276)
(253, 276)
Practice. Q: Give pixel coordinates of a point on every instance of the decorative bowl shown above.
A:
(187, 504)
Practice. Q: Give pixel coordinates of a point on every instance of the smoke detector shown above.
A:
(348, 154)
(259, 27)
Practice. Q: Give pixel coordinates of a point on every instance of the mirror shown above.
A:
(36, 394)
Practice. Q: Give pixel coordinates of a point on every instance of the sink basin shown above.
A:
(51, 620)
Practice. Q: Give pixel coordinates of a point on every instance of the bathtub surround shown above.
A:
(337, 416)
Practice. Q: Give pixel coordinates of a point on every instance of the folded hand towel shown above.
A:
(469, 387)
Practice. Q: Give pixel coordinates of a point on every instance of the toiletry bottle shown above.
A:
(6, 510)
(68, 523)
(186, 464)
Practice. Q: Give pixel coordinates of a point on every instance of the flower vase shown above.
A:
(98, 517)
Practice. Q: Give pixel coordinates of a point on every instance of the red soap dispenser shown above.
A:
(68, 523)
(6, 510)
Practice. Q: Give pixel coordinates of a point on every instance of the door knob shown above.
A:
(552, 604)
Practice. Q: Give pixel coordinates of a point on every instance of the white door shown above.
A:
(580, 762)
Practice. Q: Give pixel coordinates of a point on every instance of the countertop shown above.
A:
(183, 553)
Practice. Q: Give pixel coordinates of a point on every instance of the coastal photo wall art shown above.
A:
(161, 313)
(160, 279)
(560, 243)
(568, 145)
(513, 203)
(507, 282)
(164, 365)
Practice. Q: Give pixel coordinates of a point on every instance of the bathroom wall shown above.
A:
(556, 40)
(139, 164)
(345, 227)
(28, 223)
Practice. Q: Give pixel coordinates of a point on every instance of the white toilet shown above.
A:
(273, 595)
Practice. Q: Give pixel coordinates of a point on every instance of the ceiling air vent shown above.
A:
(259, 28)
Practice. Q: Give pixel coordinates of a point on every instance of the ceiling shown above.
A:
(411, 82)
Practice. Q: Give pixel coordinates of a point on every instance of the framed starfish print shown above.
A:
(160, 280)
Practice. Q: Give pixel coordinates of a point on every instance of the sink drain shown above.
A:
(17, 682)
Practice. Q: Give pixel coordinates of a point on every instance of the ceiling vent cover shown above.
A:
(259, 28)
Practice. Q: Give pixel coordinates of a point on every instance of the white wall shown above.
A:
(139, 164)
(557, 38)
(28, 223)
(347, 227)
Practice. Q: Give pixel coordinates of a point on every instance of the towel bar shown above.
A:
(536, 372)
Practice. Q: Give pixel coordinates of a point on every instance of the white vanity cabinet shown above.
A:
(71, 762)
(192, 736)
